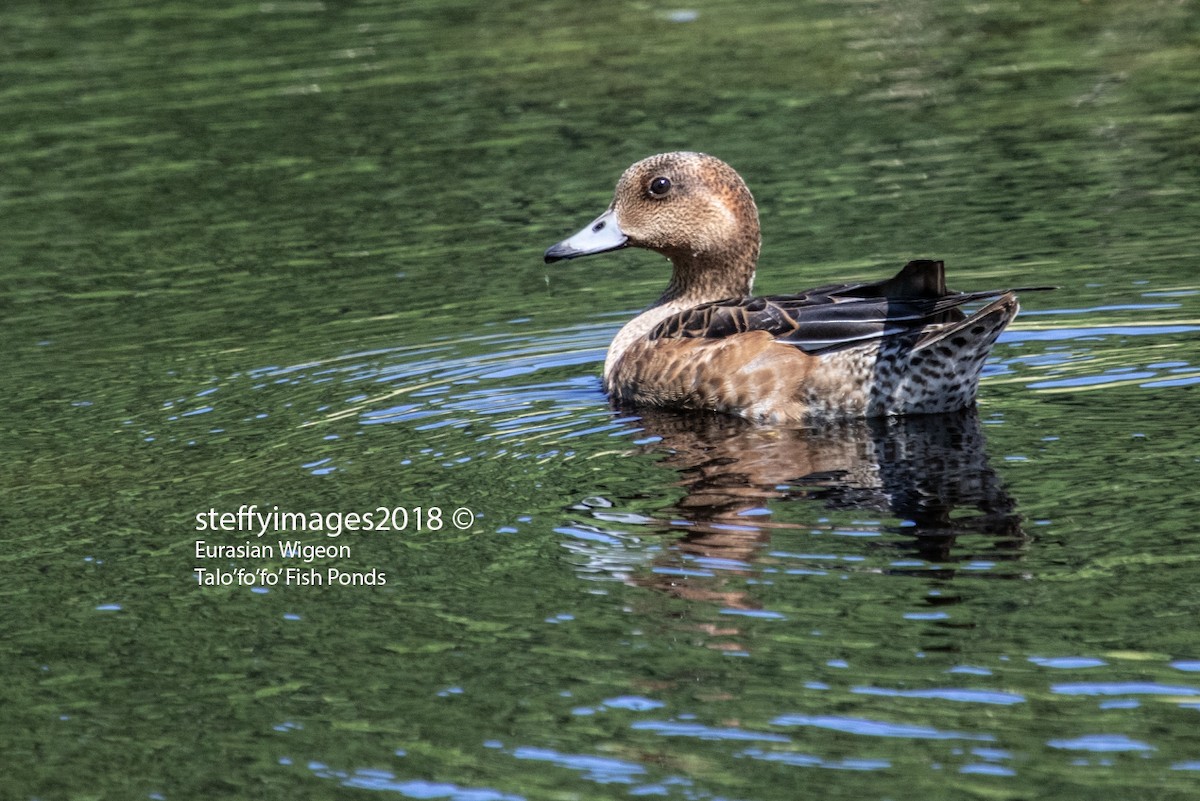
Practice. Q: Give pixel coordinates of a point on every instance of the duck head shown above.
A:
(690, 207)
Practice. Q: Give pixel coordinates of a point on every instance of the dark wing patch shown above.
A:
(833, 317)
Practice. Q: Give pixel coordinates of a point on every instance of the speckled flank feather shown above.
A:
(912, 374)
(756, 376)
(898, 346)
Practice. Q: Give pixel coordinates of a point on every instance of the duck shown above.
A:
(898, 346)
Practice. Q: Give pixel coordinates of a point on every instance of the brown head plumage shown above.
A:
(692, 208)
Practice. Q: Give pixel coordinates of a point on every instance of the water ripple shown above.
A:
(947, 694)
(876, 728)
(670, 728)
(811, 761)
(603, 770)
(522, 390)
(383, 780)
(1100, 743)
(1123, 688)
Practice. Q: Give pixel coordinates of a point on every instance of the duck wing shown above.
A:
(914, 301)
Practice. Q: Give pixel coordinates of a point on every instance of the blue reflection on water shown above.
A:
(671, 728)
(386, 781)
(1101, 743)
(947, 694)
(1122, 688)
(876, 728)
(1095, 309)
(985, 769)
(1067, 662)
(811, 761)
(633, 703)
(1060, 334)
(761, 614)
(603, 770)
(1089, 380)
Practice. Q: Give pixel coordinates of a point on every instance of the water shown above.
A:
(288, 255)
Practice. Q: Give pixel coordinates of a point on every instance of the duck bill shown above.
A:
(599, 236)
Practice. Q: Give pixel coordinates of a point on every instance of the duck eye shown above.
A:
(660, 186)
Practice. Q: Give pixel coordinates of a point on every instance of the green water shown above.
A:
(288, 254)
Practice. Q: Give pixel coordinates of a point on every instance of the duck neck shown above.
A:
(695, 278)
(704, 277)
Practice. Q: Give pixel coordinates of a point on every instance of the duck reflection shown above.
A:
(929, 471)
